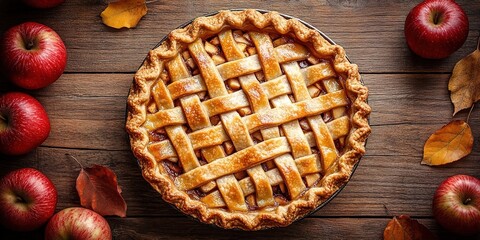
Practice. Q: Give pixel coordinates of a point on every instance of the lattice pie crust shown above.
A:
(247, 120)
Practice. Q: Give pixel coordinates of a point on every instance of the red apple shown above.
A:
(436, 28)
(43, 3)
(456, 205)
(33, 55)
(24, 123)
(27, 199)
(77, 223)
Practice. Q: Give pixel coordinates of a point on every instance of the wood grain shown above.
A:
(322, 228)
(154, 228)
(87, 113)
(87, 117)
(384, 185)
(371, 31)
(408, 95)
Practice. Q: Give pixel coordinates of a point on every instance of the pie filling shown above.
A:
(250, 122)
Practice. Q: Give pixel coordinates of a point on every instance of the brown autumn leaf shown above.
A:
(405, 228)
(448, 144)
(464, 84)
(124, 13)
(98, 190)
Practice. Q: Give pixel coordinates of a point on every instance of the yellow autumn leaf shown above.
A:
(464, 84)
(124, 13)
(448, 144)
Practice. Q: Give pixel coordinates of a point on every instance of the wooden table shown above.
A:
(408, 95)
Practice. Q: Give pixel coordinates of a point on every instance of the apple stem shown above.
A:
(28, 42)
(436, 18)
(29, 45)
(74, 158)
(467, 201)
(19, 199)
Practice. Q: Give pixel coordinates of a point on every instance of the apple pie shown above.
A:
(247, 119)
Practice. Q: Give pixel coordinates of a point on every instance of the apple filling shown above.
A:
(311, 164)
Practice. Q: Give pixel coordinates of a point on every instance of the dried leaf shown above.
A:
(98, 190)
(464, 84)
(448, 144)
(124, 13)
(405, 228)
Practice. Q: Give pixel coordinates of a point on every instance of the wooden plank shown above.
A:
(186, 228)
(384, 185)
(89, 86)
(395, 98)
(408, 98)
(91, 134)
(373, 38)
(87, 112)
(323, 228)
(394, 185)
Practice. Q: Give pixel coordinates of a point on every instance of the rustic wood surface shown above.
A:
(408, 95)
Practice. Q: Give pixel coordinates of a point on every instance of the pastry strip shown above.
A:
(238, 161)
(264, 193)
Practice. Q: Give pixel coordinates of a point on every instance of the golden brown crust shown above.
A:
(336, 176)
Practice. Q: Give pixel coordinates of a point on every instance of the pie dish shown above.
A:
(246, 119)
